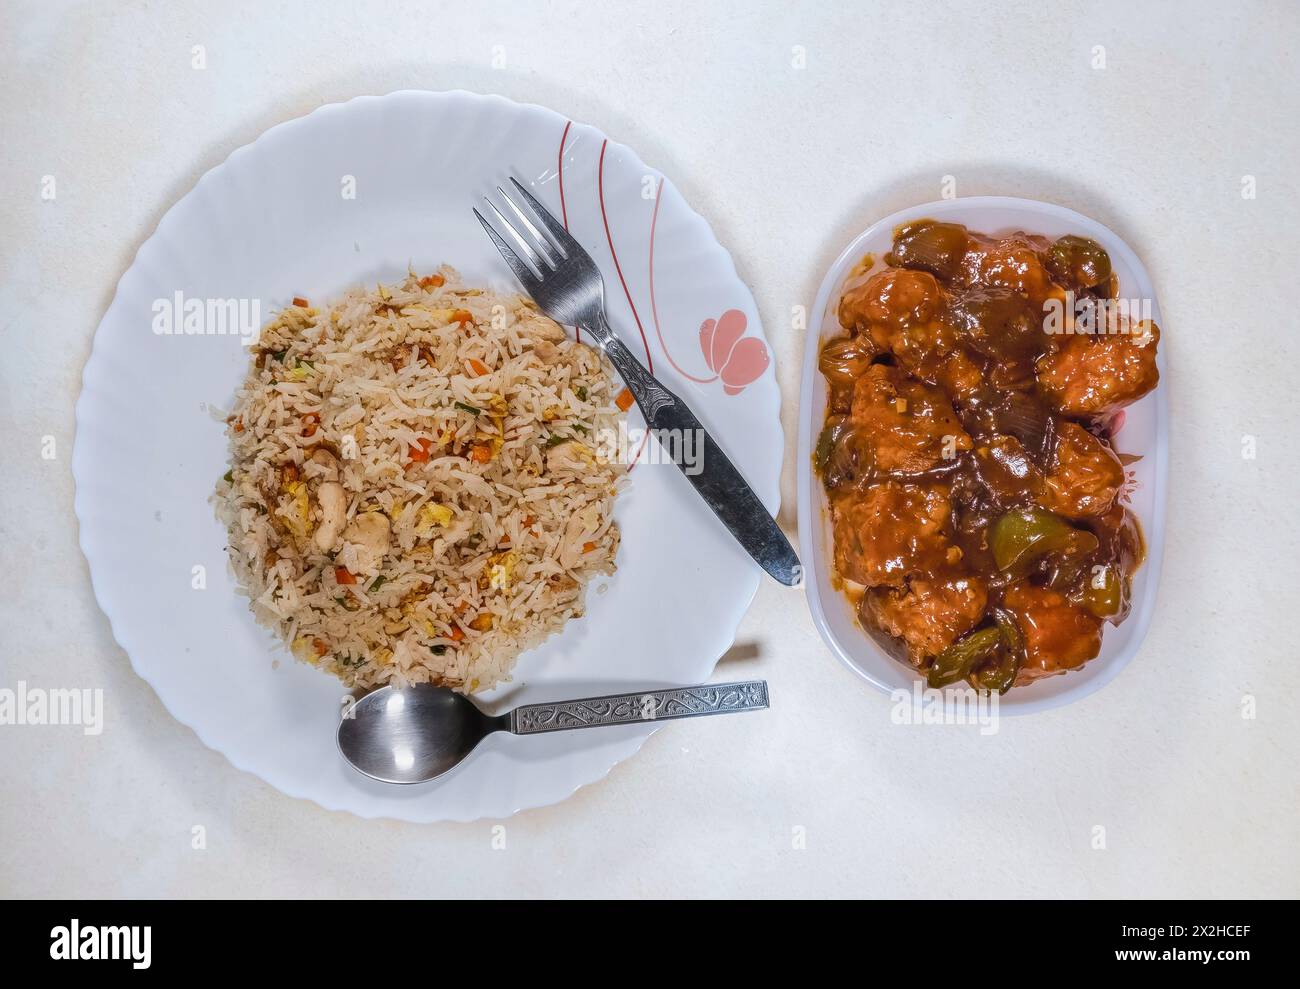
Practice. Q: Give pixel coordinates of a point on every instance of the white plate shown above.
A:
(274, 221)
(1145, 431)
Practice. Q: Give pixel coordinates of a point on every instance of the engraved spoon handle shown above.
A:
(641, 706)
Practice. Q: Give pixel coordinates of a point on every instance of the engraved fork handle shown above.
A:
(640, 707)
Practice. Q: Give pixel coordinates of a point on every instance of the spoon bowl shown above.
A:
(416, 734)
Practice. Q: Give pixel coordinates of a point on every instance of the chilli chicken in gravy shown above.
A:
(976, 498)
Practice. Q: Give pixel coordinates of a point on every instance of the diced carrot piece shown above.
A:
(239, 425)
(310, 423)
(624, 400)
(432, 281)
(321, 646)
(478, 367)
(299, 301)
(480, 453)
(456, 634)
(588, 547)
(342, 575)
(420, 454)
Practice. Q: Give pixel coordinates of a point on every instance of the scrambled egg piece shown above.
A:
(430, 516)
(501, 568)
(297, 514)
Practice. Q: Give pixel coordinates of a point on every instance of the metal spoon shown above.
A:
(416, 734)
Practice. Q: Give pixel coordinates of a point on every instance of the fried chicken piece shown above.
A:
(1058, 635)
(1097, 374)
(928, 615)
(919, 348)
(909, 425)
(1086, 477)
(894, 297)
(901, 311)
(892, 530)
(1013, 262)
(960, 377)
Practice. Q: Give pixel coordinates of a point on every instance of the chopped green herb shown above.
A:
(229, 477)
(438, 650)
(278, 355)
(579, 427)
(467, 408)
(379, 582)
(555, 439)
(581, 392)
(474, 538)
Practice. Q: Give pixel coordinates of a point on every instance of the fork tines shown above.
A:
(544, 251)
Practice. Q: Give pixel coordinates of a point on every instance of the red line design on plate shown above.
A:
(645, 344)
(564, 210)
(564, 213)
(637, 456)
(654, 308)
(649, 361)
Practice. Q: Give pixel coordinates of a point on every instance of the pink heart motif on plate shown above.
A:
(736, 359)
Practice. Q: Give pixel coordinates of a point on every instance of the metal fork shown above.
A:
(565, 282)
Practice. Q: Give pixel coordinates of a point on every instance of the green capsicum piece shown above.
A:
(956, 662)
(1000, 675)
(1103, 593)
(1023, 535)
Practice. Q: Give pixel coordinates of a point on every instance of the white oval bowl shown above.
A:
(1145, 432)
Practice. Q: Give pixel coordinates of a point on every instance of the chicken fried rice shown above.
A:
(415, 492)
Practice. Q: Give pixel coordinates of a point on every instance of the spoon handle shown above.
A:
(641, 706)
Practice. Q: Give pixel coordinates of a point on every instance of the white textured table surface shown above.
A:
(822, 795)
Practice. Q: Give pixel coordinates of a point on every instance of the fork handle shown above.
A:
(719, 483)
(642, 706)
